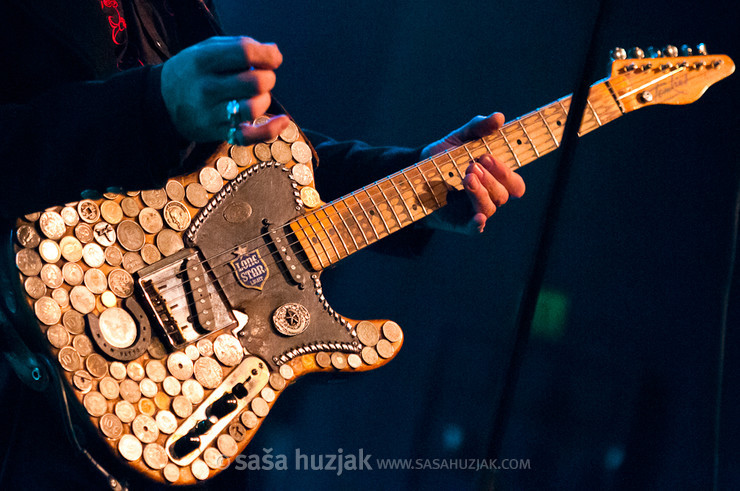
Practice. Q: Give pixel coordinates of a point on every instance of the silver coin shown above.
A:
(302, 174)
(385, 348)
(52, 225)
(286, 371)
(150, 254)
(93, 255)
(262, 152)
(156, 349)
(95, 403)
(130, 207)
(82, 344)
(132, 262)
(71, 248)
(290, 133)
(180, 365)
(249, 419)
(260, 407)
(367, 333)
(47, 311)
(130, 448)
(28, 262)
(392, 332)
(277, 381)
(111, 212)
(199, 470)
(281, 151)
(84, 233)
(51, 275)
(130, 235)
(205, 347)
(118, 370)
(241, 155)
(111, 426)
(96, 365)
(82, 299)
(50, 251)
(182, 407)
(82, 381)
(177, 215)
(166, 422)
(95, 280)
(130, 391)
(193, 391)
(155, 456)
(207, 372)
(113, 256)
(150, 220)
(73, 322)
(192, 352)
(237, 431)
(171, 472)
(70, 216)
(73, 274)
(125, 411)
(35, 287)
(174, 190)
(121, 283)
(169, 242)
(156, 371)
(109, 388)
(196, 195)
(369, 355)
(69, 359)
(338, 360)
(171, 386)
(227, 445)
(135, 371)
(323, 359)
(27, 236)
(104, 234)
(88, 211)
(354, 360)
(61, 297)
(32, 217)
(145, 428)
(210, 179)
(148, 388)
(155, 198)
(228, 350)
(227, 167)
(267, 394)
(57, 336)
(301, 152)
(213, 458)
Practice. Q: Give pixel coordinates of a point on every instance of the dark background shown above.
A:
(621, 393)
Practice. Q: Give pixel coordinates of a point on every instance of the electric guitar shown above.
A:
(177, 316)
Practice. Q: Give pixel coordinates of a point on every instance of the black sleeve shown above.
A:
(349, 165)
(87, 135)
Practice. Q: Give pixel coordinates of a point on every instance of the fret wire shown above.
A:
(506, 140)
(351, 235)
(331, 241)
(531, 142)
(566, 114)
(486, 145)
(367, 217)
(321, 243)
(431, 190)
(359, 225)
(544, 120)
(454, 163)
(598, 121)
(334, 225)
(375, 205)
(390, 205)
(400, 196)
(424, 208)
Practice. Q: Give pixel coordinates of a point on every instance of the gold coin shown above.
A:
(35, 288)
(147, 407)
(197, 195)
(47, 311)
(174, 190)
(262, 152)
(385, 348)
(71, 248)
(155, 456)
(367, 333)
(125, 411)
(130, 448)
(96, 365)
(177, 215)
(241, 155)
(27, 236)
(226, 167)
(28, 262)
(208, 372)
(57, 336)
(109, 388)
(88, 211)
(310, 197)
(150, 220)
(281, 151)
(301, 152)
(82, 381)
(73, 274)
(161, 400)
(69, 359)
(95, 404)
(111, 426)
(50, 251)
(156, 198)
(52, 225)
(111, 212)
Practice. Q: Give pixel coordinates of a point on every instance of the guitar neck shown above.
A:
(355, 221)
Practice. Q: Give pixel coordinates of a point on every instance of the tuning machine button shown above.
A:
(636, 52)
(686, 50)
(701, 49)
(654, 53)
(670, 51)
(619, 54)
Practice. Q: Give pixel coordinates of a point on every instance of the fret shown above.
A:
(336, 229)
(400, 196)
(531, 142)
(506, 140)
(557, 143)
(486, 145)
(321, 243)
(454, 163)
(431, 189)
(390, 205)
(417, 194)
(380, 212)
(560, 101)
(588, 103)
(351, 235)
(367, 217)
(359, 225)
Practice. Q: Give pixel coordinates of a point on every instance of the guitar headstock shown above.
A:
(667, 76)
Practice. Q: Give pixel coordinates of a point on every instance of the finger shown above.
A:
(267, 131)
(481, 126)
(479, 197)
(229, 54)
(254, 107)
(513, 182)
(498, 193)
(244, 85)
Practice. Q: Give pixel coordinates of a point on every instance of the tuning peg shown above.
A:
(670, 51)
(618, 54)
(686, 50)
(654, 53)
(636, 52)
(701, 49)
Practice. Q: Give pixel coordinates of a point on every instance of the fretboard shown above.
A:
(353, 222)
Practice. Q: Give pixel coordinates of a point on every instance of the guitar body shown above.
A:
(179, 315)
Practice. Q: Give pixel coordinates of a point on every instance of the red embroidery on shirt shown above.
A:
(115, 19)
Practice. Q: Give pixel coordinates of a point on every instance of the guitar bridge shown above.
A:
(183, 298)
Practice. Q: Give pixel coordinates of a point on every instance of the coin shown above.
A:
(354, 360)
(369, 355)
(150, 220)
(111, 212)
(73, 322)
(104, 234)
(207, 372)
(259, 407)
(145, 428)
(182, 406)
(171, 472)
(171, 385)
(156, 349)
(169, 242)
(262, 152)
(180, 365)
(281, 151)
(84, 233)
(277, 381)
(52, 225)
(166, 422)
(125, 411)
(392, 331)
(199, 469)
(301, 152)
(323, 359)
(193, 391)
(148, 388)
(174, 190)
(28, 262)
(27, 236)
(310, 197)
(93, 255)
(226, 167)
(82, 299)
(135, 371)
(197, 195)
(111, 426)
(32, 217)
(367, 333)
(130, 448)
(155, 198)
(213, 458)
(73, 274)
(227, 445)
(228, 350)
(238, 432)
(70, 216)
(205, 347)
(61, 297)
(130, 391)
(96, 365)
(88, 210)
(249, 419)
(286, 371)
(130, 235)
(210, 179)
(47, 311)
(95, 280)
(95, 403)
(113, 256)
(50, 251)
(82, 344)
(176, 215)
(71, 248)
(162, 401)
(267, 394)
(82, 381)
(385, 348)
(121, 283)
(118, 370)
(57, 336)
(290, 133)
(150, 254)
(108, 387)
(130, 207)
(132, 262)
(51, 275)
(69, 359)
(302, 174)
(147, 407)
(192, 352)
(155, 456)
(241, 155)
(338, 360)
(156, 371)
(34, 286)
